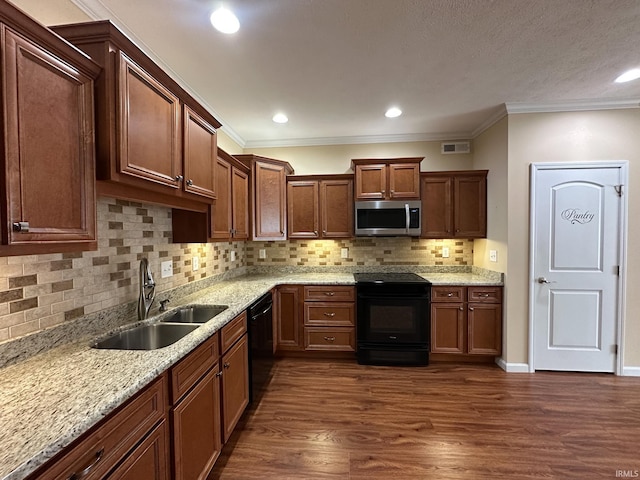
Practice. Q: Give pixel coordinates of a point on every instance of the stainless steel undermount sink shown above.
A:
(146, 337)
(195, 314)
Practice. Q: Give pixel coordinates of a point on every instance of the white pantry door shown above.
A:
(576, 252)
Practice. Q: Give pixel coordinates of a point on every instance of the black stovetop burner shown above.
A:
(381, 278)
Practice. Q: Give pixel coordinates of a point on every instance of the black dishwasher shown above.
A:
(261, 356)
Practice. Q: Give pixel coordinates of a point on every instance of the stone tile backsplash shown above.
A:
(41, 291)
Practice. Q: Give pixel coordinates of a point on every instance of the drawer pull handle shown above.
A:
(329, 294)
(485, 295)
(450, 294)
(86, 471)
(329, 314)
(330, 339)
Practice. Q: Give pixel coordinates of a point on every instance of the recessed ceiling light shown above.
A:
(280, 118)
(393, 112)
(225, 21)
(628, 76)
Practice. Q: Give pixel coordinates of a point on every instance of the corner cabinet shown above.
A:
(454, 204)
(387, 179)
(48, 174)
(268, 196)
(155, 143)
(320, 206)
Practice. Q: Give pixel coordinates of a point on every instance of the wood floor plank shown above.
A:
(335, 419)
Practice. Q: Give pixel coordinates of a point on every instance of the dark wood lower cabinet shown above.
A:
(235, 385)
(149, 460)
(288, 311)
(196, 429)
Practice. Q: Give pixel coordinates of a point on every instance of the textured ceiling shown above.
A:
(335, 66)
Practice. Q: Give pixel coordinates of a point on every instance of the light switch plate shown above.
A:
(344, 253)
(445, 252)
(166, 269)
(493, 255)
(262, 253)
(233, 255)
(195, 263)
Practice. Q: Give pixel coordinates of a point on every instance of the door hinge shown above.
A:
(618, 189)
(615, 349)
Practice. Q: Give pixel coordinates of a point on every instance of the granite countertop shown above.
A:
(49, 400)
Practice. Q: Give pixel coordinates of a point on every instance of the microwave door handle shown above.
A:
(407, 217)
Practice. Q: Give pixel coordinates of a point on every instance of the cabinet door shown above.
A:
(240, 204)
(470, 206)
(371, 181)
(336, 208)
(302, 209)
(437, 207)
(200, 155)
(235, 384)
(288, 318)
(197, 437)
(404, 180)
(149, 460)
(269, 202)
(221, 210)
(149, 127)
(447, 328)
(485, 328)
(49, 146)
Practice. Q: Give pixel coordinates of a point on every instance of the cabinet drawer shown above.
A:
(329, 293)
(448, 294)
(337, 339)
(190, 369)
(485, 294)
(231, 332)
(330, 314)
(99, 451)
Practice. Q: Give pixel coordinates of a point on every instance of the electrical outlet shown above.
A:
(493, 255)
(262, 253)
(445, 252)
(344, 253)
(195, 263)
(166, 269)
(233, 255)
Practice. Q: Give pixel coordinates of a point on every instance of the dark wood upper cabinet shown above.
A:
(320, 206)
(268, 196)
(387, 179)
(454, 204)
(155, 142)
(47, 167)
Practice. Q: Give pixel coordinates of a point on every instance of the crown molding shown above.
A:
(491, 120)
(571, 106)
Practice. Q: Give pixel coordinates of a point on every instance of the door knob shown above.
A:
(543, 280)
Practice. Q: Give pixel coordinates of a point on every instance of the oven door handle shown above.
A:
(407, 217)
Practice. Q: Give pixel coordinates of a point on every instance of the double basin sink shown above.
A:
(163, 333)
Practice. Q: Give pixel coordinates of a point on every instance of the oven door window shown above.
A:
(393, 320)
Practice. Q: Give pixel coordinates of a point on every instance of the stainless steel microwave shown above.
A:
(388, 218)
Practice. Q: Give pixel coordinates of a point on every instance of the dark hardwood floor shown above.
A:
(339, 420)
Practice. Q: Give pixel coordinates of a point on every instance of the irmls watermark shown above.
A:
(627, 473)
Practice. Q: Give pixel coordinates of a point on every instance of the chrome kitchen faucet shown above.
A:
(147, 290)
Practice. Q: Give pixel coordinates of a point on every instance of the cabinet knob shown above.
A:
(324, 232)
(460, 308)
(189, 182)
(450, 294)
(471, 309)
(226, 365)
(315, 232)
(179, 178)
(219, 374)
(330, 339)
(22, 227)
(329, 314)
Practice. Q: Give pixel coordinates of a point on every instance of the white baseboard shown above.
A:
(512, 367)
(631, 371)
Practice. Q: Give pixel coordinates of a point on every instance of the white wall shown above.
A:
(567, 137)
(337, 158)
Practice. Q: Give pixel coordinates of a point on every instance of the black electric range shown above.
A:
(393, 314)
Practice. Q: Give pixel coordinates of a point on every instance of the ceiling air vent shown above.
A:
(455, 147)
